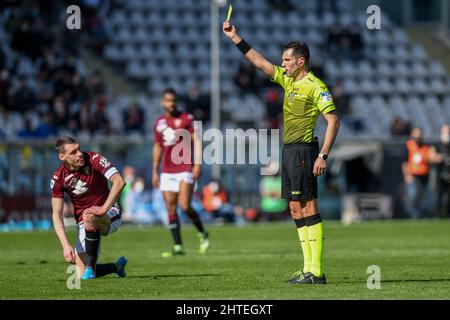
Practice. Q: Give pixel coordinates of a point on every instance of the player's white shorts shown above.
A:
(171, 181)
(114, 214)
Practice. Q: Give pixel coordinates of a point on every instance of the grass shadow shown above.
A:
(156, 276)
(394, 281)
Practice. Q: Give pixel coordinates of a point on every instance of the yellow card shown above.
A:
(230, 9)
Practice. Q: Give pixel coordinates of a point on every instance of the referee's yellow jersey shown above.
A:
(303, 101)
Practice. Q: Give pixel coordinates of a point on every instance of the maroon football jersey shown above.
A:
(87, 186)
(165, 135)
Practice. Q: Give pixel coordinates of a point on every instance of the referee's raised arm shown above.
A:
(250, 53)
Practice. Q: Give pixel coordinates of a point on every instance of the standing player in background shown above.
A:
(306, 96)
(84, 177)
(177, 180)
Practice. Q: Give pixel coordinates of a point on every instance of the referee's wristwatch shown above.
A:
(324, 156)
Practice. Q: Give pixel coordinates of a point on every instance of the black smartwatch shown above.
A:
(324, 156)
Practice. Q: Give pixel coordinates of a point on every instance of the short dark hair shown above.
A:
(300, 49)
(61, 142)
(170, 90)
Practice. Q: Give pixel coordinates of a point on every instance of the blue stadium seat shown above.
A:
(402, 86)
(384, 70)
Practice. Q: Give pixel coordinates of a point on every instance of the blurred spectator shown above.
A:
(345, 43)
(245, 79)
(333, 39)
(27, 131)
(197, 104)
(96, 85)
(23, 97)
(273, 207)
(94, 13)
(101, 120)
(133, 119)
(5, 85)
(81, 121)
(282, 5)
(442, 158)
(21, 37)
(129, 177)
(46, 127)
(273, 102)
(138, 202)
(400, 127)
(316, 66)
(215, 202)
(327, 5)
(415, 172)
(60, 110)
(341, 100)
(2, 59)
(356, 42)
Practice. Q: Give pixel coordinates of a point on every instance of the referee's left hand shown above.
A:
(320, 166)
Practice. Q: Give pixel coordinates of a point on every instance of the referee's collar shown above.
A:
(305, 77)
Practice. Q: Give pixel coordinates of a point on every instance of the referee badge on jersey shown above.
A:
(291, 96)
(326, 96)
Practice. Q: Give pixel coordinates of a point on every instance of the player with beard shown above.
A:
(178, 178)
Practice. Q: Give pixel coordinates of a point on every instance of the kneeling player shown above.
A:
(84, 177)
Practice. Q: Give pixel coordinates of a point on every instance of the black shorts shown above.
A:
(297, 163)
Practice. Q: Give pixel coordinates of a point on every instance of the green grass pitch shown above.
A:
(243, 263)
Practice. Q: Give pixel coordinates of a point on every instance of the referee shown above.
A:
(305, 97)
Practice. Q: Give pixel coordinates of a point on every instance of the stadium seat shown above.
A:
(418, 52)
(135, 70)
(402, 86)
(112, 53)
(436, 69)
(349, 69)
(438, 86)
(368, 86)
(384, 70)
(420, 86)
(400, 53)
(119, 18)
(383, 53)
(419, 70)
(401, 70)
(350, 86)
(384, 85)
(399, 37)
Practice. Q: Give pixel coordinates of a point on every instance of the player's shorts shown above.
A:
(171, 181)
(114, 214)
(298, 180)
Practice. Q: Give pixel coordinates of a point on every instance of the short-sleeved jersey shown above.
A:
(87, 186)
(303, 101)
(165, 134)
